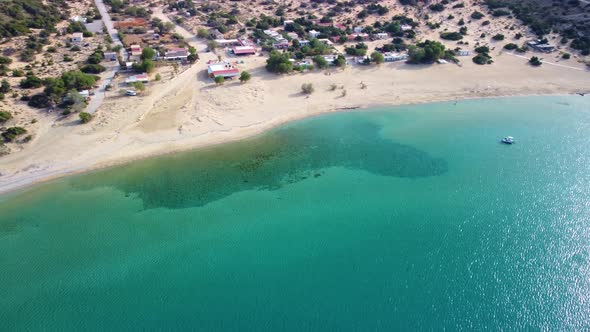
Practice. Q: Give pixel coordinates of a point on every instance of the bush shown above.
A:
(451, 35)
(437, 7)
(92, 69)
(535, 61)
(566, 56)
(11, 133)
(5, 116)
(377, 57)
(482, 49)
(219, 80)
(85, 117)
(307, 88)
(498, 37)
(158, 77)
(482, 59)
(476, 15)
(5, 60)
(17, 73)
(245, 76)
(31, 82)
(40, 100)
(5, 86)
(510, 46)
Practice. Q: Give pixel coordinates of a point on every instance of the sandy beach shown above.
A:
(190, 111)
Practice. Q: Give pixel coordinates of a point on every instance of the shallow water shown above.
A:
(410, 217)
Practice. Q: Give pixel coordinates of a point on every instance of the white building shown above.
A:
(143, 78)
(80, 19)
(77, 38)
(381, 35)
(358, 29)
(287, 22)
(313, 34)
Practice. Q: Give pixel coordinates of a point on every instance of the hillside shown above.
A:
(18, 16)
(570, 18)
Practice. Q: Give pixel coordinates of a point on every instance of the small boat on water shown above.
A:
(508, 140)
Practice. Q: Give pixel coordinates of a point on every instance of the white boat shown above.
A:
(508, 140)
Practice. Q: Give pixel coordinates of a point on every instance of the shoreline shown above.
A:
(163, 148)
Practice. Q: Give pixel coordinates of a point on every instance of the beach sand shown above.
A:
(190, 111)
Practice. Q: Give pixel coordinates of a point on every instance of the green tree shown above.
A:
(219, 80)
(31, 82)
(340, 61)
(279, 62)
(148, 54)
(139, 86)
(212, 45)
(426, 52)
(320, 62)
(85, 117)
(202, 33)
(377, 57)
(245, 76)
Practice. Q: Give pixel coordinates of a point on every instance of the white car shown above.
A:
(130, 93)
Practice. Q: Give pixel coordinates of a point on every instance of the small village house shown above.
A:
(143, 78)
(176, 54)
(381, 35)
(222, 69)
(313, 34)
(135, 50)
(77, 38)
(243, 50)
(80, 19)
(287, 22)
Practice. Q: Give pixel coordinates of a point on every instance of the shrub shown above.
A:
(566, 56)
(482, 49)
(476, 15)
(40, 100)
(158, 77)
(5, 86)
(498, 37)
(92, 69)
(219, 80)
(245, 76)
(535, 61)
(437, 7)
(5, 116)
(451, 35)
(307, 88)
(482, 59)
(31, 82)
(510, 46)
(85, 117)
(11, 133)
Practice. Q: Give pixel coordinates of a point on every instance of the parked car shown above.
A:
(130, 93)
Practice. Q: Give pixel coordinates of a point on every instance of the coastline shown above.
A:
(30, 179)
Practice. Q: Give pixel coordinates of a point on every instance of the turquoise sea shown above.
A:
(400, 218)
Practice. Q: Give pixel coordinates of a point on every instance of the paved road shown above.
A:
(112, 68)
